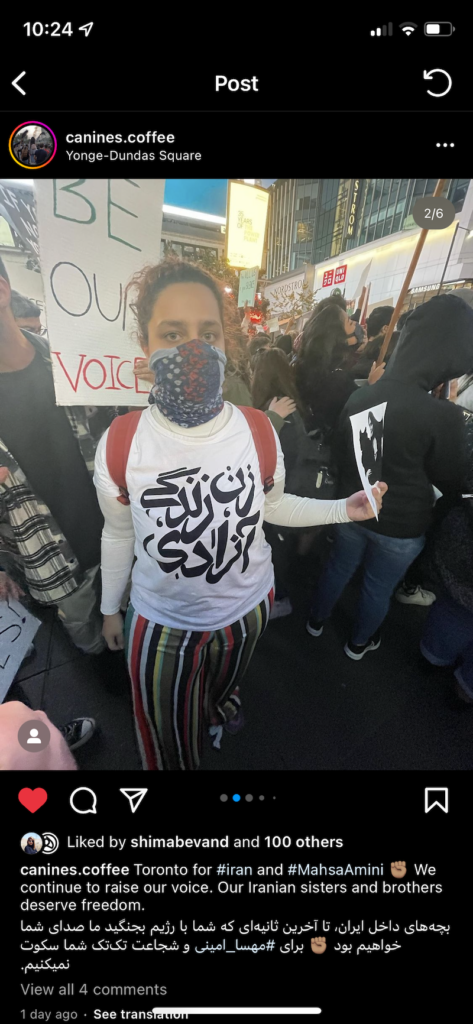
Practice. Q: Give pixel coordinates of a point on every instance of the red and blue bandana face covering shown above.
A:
(189, 380)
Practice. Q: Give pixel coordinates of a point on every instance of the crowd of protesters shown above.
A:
(33, 152)
(265, 428)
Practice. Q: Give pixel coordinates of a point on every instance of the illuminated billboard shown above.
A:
(247, 210)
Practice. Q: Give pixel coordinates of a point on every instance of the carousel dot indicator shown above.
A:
(224, 798)
(236, 798)
(249, 797)
(261, 797)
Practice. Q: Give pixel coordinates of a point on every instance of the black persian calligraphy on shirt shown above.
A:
(191, 501)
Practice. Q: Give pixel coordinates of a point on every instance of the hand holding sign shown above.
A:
(376, 372)
(142, 372)
(360, 505)
(8, 588)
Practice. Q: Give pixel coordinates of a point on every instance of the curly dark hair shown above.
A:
(323, 349)
(148, 283)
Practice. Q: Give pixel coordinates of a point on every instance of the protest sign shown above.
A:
(248, 286)
(368, 439)
(94, 234)
(17, 207)
(17, 629)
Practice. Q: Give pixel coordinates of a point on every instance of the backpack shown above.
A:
(313, 475)
(123, 429)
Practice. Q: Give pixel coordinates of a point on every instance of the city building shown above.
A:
(313, 219)
(446, 260)
(381, 264)
(189, 233)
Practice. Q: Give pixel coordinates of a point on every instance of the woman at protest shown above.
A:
(188, 499)
(321, 376)
(273, 376)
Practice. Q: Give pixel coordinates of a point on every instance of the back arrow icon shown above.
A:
(15, 83)
(438, 71)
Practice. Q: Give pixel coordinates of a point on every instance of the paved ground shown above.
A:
(307, 706)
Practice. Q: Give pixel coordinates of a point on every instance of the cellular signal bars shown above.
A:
(386, 30)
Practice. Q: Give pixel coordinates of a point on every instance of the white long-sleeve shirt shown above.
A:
(195, 522)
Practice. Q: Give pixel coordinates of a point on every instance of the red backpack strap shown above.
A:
(265, 443)
(120, 435)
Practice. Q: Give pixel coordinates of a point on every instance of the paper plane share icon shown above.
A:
(134, 796)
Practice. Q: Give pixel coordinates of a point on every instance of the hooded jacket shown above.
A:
(424, 437)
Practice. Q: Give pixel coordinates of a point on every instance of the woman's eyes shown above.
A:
(174, 338)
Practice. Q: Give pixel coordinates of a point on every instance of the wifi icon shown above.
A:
(408, 27)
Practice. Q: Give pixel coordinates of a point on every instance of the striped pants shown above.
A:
(181, 681)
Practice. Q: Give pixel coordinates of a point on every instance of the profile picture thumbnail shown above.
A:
(31, 843)
(32, 144)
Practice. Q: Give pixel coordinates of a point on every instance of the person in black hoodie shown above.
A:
(424, 446)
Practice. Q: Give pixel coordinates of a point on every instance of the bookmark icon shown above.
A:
(134, 797)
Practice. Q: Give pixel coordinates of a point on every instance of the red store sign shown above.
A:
(340, 274)
(337, 276)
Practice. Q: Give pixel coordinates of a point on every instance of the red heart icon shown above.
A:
(32, 799)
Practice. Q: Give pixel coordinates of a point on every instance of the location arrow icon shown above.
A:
(134, 796)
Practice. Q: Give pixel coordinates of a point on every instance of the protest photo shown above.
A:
(235, 458)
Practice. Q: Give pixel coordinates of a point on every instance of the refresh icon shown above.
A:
(438, 71)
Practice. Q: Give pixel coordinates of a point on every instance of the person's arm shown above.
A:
(236, 391)
(277, 420)
(446, 463)
(8, 587)
(279, 410)
(282, 509)
(118, 543)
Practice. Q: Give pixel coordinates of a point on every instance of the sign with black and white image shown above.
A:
(368, 437)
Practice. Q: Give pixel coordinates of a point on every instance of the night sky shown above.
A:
(208, 195)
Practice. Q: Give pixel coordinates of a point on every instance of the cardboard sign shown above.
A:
(368, 439)
(17, 207)
(248, 286)
(17, 629)
(94, 234)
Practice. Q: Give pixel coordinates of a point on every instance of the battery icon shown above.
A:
(438, 28)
